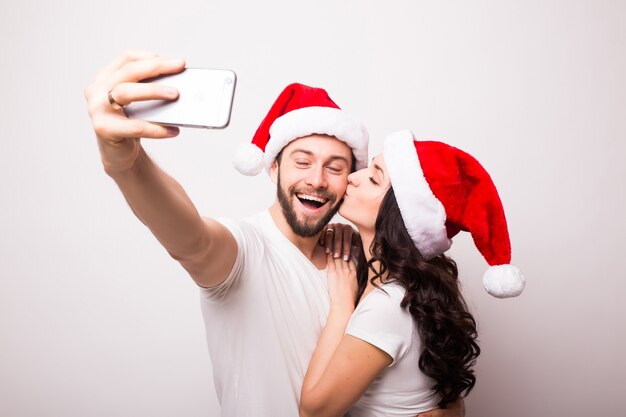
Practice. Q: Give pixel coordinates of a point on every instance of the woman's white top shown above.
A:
(401, 389)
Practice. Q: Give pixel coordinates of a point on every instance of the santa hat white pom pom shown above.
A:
(504, 281)
(248, 159)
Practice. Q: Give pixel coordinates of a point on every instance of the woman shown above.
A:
(410, 344)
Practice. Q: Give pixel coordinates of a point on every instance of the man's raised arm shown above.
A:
(204, 247)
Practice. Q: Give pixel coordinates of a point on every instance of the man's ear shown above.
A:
(274, 172)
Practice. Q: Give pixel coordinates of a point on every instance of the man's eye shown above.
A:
(335, 170)
(302, 163)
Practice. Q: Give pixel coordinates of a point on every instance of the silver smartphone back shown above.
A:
(205, 100)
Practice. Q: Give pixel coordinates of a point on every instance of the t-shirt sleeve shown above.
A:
(380, 321)
(221, 291)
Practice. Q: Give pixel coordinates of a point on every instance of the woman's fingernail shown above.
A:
(327, 251)
(336, 255)
(346, 258)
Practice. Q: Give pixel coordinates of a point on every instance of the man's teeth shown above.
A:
(311, 198)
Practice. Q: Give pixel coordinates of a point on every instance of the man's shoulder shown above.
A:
(253, 223)
(251, 233)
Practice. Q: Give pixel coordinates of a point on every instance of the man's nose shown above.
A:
(317, 177)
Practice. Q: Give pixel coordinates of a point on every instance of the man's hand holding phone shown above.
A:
(118, 136)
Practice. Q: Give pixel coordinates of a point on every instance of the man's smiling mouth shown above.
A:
(311, 201)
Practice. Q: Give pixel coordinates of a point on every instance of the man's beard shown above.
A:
(303, 229)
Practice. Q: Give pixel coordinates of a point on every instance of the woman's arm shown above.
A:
(342, 366)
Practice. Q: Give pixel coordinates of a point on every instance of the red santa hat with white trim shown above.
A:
(441, 191)
(300, 111)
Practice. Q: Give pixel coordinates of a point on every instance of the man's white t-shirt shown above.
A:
(401, 389)
(263, 322)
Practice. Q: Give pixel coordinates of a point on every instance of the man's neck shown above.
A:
(308, 245)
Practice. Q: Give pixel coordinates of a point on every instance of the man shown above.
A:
(262, 280)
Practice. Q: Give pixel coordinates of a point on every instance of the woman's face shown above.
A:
(365, 192)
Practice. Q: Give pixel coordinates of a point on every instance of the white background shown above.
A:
(96, 320)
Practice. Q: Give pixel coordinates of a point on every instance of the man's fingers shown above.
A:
(126, 93)
(135, 71)
(120, 78)
(119, 61)
(122, 128)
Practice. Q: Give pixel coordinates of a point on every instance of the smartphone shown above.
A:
(205, 99)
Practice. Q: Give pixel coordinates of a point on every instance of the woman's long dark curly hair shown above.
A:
(446, 327)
